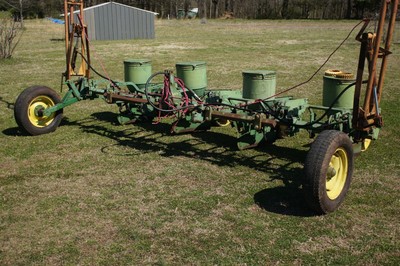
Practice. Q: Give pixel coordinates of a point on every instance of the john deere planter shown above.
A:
(343, 125)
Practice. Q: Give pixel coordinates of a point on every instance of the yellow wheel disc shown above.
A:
(336, 174)
(37, 105)
(223, 122)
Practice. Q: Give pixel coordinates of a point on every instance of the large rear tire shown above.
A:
(29, 107)
(329, 169)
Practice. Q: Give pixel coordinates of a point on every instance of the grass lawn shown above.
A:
(94, 192)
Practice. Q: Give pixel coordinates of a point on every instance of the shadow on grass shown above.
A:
(283, 200)
(281, 163)
(14, 131)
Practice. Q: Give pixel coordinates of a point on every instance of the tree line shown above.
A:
(246, 9)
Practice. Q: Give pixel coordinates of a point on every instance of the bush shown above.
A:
(10, 34)
(5, 14)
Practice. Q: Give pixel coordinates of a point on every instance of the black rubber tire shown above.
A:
(328, 144)
(23, 104)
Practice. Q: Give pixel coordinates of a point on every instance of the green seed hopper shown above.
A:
(343, 125)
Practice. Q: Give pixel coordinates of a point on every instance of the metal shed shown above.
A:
(115, 21)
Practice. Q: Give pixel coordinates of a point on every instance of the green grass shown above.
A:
(94, 192)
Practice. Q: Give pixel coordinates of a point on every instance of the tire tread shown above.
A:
(315, 167)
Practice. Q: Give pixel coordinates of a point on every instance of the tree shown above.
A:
(18, 5)
(215, 9)
(349, 7)
(249, 9)
(285, 9)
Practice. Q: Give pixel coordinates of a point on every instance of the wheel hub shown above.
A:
(39, 111)
(331, 172)
(35, 111)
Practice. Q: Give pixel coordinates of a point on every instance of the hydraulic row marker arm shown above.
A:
(76, 41)
(368, 116)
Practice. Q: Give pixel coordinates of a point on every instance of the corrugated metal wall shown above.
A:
(113, 21)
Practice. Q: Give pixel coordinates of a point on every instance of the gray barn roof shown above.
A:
(115, 3)
(115, 21)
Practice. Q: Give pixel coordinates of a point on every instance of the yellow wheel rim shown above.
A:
(36, 106)
(337, 173)
(222, 122)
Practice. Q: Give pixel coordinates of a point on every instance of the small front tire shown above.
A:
(29, 107)
(328, 169)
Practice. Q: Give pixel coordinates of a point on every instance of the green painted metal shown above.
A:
(250, 139)
(186, 125)
(332, 87)
(137, 71)
(133, 113)
(125, 119)
(259, 84)
(69, 99)
(194, 75)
